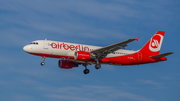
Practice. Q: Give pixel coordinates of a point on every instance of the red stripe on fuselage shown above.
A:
(132, 59)
(135, 59)
(51, 55)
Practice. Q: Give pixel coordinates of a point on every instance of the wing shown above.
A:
(103, 52)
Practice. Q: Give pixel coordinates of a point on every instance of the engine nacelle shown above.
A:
(83, 55)
(65, 64)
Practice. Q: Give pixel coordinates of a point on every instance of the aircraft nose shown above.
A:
(26, 48)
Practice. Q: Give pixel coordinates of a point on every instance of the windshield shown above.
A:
(35, 43)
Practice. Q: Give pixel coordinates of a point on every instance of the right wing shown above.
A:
(103, 52)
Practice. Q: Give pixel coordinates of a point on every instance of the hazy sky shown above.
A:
(93, 22)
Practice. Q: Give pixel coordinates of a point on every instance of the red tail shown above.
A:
(153, 46)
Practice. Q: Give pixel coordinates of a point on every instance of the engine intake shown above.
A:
(65, 64)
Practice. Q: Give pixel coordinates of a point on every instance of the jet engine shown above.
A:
(83, 56)
(65, 64)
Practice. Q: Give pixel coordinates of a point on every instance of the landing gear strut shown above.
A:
(86, 71)
(98, 65)
(42, 63)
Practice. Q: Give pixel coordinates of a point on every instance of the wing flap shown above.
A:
(162, 55)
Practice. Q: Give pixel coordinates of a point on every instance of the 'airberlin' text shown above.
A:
(67, 47)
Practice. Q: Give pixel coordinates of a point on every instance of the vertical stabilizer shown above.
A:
(153, 46)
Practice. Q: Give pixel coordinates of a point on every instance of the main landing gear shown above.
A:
(86, 71)
(97, 66)
(43, 58)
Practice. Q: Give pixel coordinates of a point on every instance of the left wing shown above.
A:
(103, 52)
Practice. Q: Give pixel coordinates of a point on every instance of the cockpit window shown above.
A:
(35, 43)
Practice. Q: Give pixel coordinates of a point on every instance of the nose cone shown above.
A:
(26, 48)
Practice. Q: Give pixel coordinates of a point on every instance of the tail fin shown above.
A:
(153, 46)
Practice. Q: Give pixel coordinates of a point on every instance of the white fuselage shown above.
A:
(66, 49)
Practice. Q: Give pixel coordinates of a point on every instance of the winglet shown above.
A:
(136, 38)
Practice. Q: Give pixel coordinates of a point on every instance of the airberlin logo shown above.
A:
(68, 47)
(155, 43)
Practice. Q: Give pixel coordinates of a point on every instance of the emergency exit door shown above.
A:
(45, 44)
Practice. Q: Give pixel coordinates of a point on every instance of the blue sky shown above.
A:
(93, 22)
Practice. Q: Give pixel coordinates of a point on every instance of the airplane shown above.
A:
(72, 55)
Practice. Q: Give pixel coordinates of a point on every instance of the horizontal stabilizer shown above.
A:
(162, 55)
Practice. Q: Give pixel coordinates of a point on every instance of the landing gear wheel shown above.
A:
(43, 58)
(86, 71)
(97, 66)
(42, 63)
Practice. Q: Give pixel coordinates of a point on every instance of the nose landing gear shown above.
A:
(43, 58)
